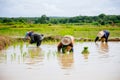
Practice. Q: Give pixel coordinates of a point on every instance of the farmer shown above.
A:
(34, 38)
(66, 44)
(103, 35)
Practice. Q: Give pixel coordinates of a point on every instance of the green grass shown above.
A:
(82, 31)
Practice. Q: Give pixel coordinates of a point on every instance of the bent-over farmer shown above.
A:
(66, 44)
(103, 35)
(34, 38)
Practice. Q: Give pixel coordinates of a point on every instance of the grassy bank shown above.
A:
(5, 41)
(78, 31)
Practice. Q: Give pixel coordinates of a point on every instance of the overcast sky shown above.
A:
(36, 8)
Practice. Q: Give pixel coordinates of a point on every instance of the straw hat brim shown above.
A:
(66, 40)
(100, 34)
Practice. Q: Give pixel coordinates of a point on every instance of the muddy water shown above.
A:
(26, 62)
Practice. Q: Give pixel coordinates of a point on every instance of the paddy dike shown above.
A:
(58, 38)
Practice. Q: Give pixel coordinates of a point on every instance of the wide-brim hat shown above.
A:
(66, 40)
(100, 34)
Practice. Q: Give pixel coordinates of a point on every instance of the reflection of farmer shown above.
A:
(66, 60)
(104, 47)
(34, 38)
(103, 35)
(35, 52)
(66, 44)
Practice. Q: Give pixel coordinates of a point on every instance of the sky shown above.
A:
(61, 8)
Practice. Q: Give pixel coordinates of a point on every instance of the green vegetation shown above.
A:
(78, 31)
(101, 19)
(85, 51)
(55, 27)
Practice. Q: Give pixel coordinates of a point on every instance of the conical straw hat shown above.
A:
(100, 34)
(66, 40)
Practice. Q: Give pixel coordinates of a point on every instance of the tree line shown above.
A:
(101, 19)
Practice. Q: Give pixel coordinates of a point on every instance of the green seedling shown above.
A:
(85, 51)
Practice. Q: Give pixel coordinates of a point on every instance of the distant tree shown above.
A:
(54, 21)
(95, 20)
(21, 20)
(102, 19)
(7, 20)
(102, 16)
(43, 19)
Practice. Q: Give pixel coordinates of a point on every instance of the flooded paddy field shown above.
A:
(27, 62)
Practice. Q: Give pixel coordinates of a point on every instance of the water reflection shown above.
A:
(34, 52)
(3, 57)
(21, 54)
(34, 55)
(103, 48)
(66, 60)
(37, 63)
(85, 56)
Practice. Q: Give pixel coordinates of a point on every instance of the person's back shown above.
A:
(37, 38)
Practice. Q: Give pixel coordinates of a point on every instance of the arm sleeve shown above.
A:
(71, 44)
(59, 47)
(96, 38)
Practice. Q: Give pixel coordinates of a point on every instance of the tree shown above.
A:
(43, 19)
(102, 16)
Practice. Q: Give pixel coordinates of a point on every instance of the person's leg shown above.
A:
(106, 39)
(38, 43)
